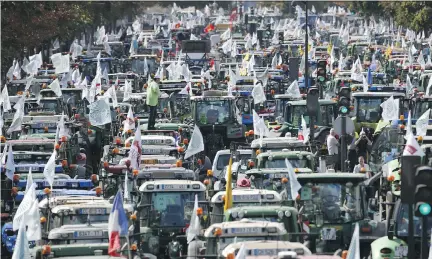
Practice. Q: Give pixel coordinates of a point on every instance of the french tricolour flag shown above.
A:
(117, 225)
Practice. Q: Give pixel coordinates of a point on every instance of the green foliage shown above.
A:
(35, 24)
(414, 15)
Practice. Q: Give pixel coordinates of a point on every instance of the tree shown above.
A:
(414, 15)
(30, 25)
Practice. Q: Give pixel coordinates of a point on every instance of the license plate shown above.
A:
(152, 151)
(245, 230)
(93, 233)
(27, 168)
(152, 142)
(20, 157)
(279, 176)
(57, 183)
(245, 198)
(43, 125)
(172, 187)
(93, 211)
(150, 161)
(328, 233)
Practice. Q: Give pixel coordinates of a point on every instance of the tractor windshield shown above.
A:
(213, 112)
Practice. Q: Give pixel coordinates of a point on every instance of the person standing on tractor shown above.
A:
(152, 101)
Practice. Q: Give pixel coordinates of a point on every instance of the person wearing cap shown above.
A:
(152, 101)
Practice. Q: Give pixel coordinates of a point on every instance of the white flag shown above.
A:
(409, 126)
(24, 64)
(129, 123)
(10, 164)
(135, 150)
(412, 147)
(195, 226)
(295, 186)
(24, 206)
(260, 127)
(29, 180)
(21, 250)
(294, 90)
(409, 85)
(354, 248)
(241, 254)
(107, 48)
(100, 113)
(274, 62)
(226, 35)
(32, 220)
(18, 116)
(413, 49)
(390, 109)
(305, 130)
(196, 144)
(60, 63)
(422, 123)
(127, 91)
(17, 71)
(126, 187)
(258, 93)
(365, 85)
(55, 86)
(49, 170)
(4, 98)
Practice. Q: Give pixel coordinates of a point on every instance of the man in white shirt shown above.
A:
(332, 144)
(361, 164)
(333, 148)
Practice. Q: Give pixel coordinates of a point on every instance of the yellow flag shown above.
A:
(300, 50)
(228, 192)
(329, 48)
(246, 57)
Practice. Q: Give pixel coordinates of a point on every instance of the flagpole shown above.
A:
(129, 249)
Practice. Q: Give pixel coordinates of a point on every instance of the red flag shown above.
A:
(114, 244)
(300, 135)
(233, 15)
(209, 28)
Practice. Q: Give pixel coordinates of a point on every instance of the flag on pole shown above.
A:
(354, 248)
(10, 164)
(228, 192)
(195, 226)
(135, 151)
(24, 207)
(21, 250)
(412, 147)
(422, 123)
(117, 225)
(49, 170)
(294, 183)
(196, 144)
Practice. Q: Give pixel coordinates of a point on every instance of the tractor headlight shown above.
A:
(280, 214)
(241, 214)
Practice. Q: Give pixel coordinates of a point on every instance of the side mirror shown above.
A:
(391, 229)
(10, 232)
(373, 204)
(370, 192)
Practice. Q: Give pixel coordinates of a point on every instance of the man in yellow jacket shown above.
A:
(152, 101)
